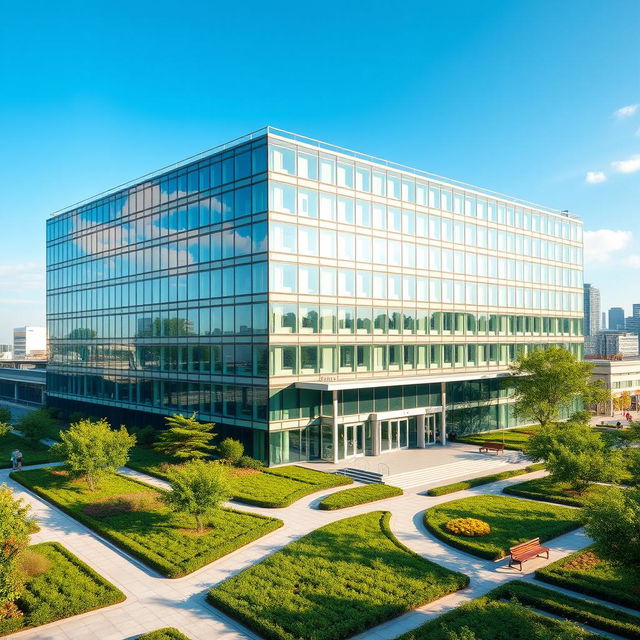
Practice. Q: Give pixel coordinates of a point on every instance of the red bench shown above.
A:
(498, 447)
(525, 551)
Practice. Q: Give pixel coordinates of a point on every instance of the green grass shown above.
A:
(31, 453)
(513, 438)
(149, 461)
(168, 633)
(511, 520)
(475, 482)
(160, 538)
(336, 581)
(281, 487)
(548, 490)
(619, 584)
(67, 587)
(359, 495)
(586, 612)
(492, 619)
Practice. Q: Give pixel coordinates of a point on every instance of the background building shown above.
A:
(314, 302)
(29, 342)
(591, 310)
(619, 376)
(6, 351)
(612, 343)
(616, 319)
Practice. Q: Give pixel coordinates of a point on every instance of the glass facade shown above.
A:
(226, 285)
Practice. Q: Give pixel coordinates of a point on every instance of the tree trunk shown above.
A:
(199, 526)
(91, 481)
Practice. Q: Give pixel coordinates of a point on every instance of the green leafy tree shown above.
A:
(613, 522)
(37, 424)
(186, 438)
(546, 381)
(198, 488)
(92, 449)
(231, 450)
(15, 526)
(574, 452)
(5, 428)
(5, 415)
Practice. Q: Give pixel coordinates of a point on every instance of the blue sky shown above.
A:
(522, 97)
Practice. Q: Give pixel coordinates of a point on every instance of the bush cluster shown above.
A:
(168, 633)
(358, 495)
(468, 527)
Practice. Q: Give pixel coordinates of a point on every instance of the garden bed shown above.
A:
(512, 521)
(358, 495)
(338, 580)
(168, 633)
(584, 572)
(549, 491)
(515, 439)
(59, 585)
(130, 514)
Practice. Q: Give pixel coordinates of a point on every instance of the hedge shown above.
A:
(358, 495)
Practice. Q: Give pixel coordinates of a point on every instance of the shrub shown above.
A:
(168, 633)
(468, 527)
(145, 436)
(358, 495)
(185, 438)
(31, 563)
(76, 416)
(5, 428)
(247, 462)
(5, 415)
(36, 424)
(230, 450)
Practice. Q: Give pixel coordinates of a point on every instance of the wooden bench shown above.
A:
(498, 447)
(525, 551)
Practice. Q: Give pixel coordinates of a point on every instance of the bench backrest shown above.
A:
(523, 547)
(494, 445)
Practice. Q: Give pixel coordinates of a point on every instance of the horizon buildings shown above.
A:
(314, 302)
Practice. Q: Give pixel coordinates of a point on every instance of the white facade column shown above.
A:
(443, 424)
(334, 397)
(421, 422)
(375, 434)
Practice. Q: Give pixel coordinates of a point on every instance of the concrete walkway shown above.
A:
(153, 601)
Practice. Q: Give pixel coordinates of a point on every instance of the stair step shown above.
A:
(361, 475)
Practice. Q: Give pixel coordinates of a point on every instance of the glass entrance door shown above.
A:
(394, 434)
(353, 440)
(429, 429)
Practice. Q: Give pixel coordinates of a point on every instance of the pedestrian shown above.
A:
(19, 460)
(14, 459)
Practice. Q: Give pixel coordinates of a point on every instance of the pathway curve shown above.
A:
(153, 601)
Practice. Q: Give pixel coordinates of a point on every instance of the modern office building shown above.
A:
(616, 319)
(611, 343)
(314, 302)
(619, 376)
(29, 342)
(591, 310)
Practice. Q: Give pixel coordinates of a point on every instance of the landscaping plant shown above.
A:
(37, 424)
(186, 438)
(230, 451)
(5, 415)
(358, 495)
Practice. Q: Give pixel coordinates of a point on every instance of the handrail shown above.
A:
(381, 466)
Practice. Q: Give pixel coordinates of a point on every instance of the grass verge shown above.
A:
(168, 633)
(336, 581)
(586, 612)
(130, 514)
(549, 491)
(511, 520)
(515, 439)
(63, 586)
(358, 495)
(31, 453)
(586, 573)
(476, 482)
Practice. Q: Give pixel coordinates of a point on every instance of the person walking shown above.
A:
(14, 459)
(19, 460)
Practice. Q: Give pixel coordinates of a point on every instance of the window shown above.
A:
(282, 159)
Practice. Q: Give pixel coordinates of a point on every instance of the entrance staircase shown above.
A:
(361, 475)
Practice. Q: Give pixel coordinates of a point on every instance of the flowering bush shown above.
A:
(469, 527)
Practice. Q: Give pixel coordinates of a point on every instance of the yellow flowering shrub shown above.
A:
(469, 527)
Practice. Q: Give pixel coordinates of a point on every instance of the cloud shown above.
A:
(627, 166)
(595, 177)
(600, 246)
(18, 277)
(627, 111)
(633, 260)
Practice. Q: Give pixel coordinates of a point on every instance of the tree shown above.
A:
(546, 381)
(36, 424)
(15, 526)
(91, 449)
(5, 415)
(574, 452)
(186, 438)
(5, 428)
(198, 488)
(230, 450)
(613, 522)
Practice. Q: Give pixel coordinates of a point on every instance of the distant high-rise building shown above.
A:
(591, 310)
(636, 310)
(616, 319)
(29, 342)
(612, 343)
(6, 351)
(603, 323)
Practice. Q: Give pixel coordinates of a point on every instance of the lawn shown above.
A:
(512, 438)
(550, 491)
(168, 633)
(490, 619)
(31, 453)
(149, 461)
(58, 585)
(336, 581)
(584, 572)
(511, 520)
(282, 486)
(131, 515)
(358, 495)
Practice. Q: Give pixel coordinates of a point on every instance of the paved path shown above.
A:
(153, 601)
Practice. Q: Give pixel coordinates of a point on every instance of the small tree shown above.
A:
(5, 415)
(5, 428)
(230, 450)
(92, 449)
(37, 424)
(546, 381)
(198, 488)
(613, 522)
(575, 453)
(14, 537)
(186, 438)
